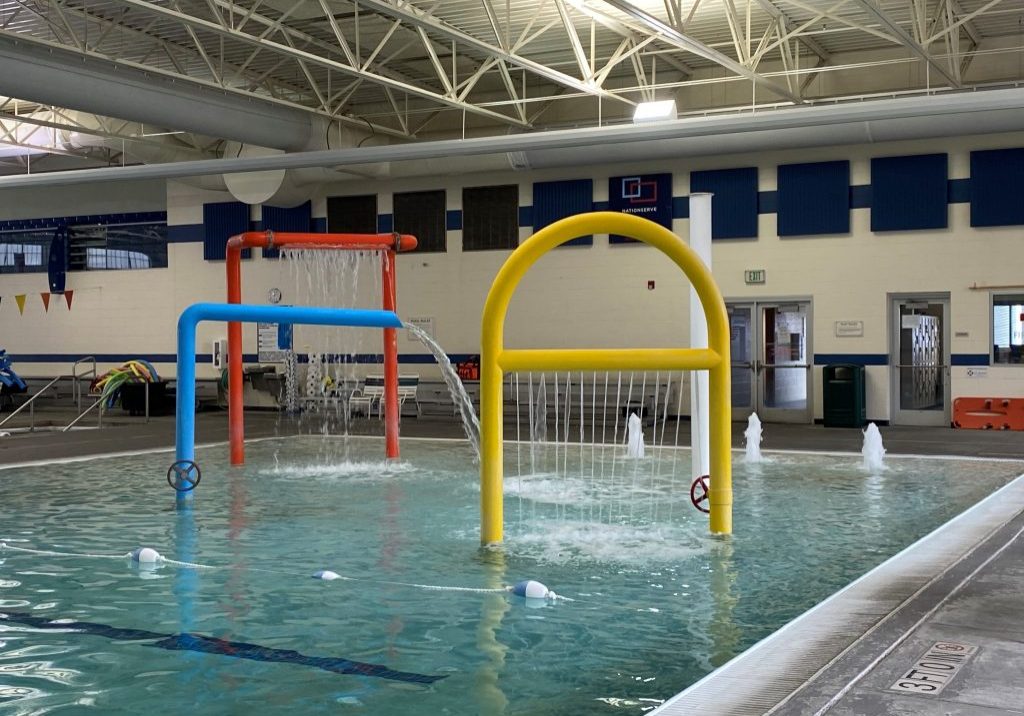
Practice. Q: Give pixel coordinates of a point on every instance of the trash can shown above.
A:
(844, 396)
(133, 398)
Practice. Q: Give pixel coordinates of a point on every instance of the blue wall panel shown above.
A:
(220, 223)
(735, 205)
(554, 200)
(909, 192)
(997, 178)
(297, 219)
(814, 199)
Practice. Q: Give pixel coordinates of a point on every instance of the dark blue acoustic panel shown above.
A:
(734, 206)
(554, 200)
(997, 177)
(220, 223)
(814, 199)
(295, 219)
(909, 192)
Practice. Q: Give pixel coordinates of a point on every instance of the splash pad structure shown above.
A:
(184, 474)
(496, 359)
(387, 244)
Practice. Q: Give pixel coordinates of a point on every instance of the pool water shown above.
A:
(656, 602)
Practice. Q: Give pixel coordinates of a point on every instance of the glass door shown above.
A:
(784, 369)
(741, 350)
(770, 343)
(920, 360)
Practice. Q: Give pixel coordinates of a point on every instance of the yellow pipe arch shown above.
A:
(495, 359)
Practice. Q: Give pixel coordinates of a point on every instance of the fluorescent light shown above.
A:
(655, 111)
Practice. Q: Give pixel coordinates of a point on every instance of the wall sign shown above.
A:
(424, 323)
(849, 329)
(754, 276)
(274, 341)
(646, 195)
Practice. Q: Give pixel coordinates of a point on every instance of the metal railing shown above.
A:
(77, 386)
(99, 420)
(31, 404)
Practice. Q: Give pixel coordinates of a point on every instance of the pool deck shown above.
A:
(879, 646)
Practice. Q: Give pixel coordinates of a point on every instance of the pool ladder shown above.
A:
(76, 390)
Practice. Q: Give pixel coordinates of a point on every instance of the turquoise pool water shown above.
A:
(657, 602)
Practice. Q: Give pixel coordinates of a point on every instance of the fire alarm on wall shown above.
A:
(650, 285)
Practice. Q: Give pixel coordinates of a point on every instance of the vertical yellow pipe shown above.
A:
(491, 492)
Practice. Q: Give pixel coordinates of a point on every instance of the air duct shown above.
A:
(50, 75)
(943, 115)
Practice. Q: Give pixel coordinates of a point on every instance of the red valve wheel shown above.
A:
(699, 493)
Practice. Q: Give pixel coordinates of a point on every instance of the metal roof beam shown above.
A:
(412, 15)
(313, 59)
(672, 36)
(909, 42)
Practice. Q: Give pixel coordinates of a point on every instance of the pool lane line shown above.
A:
(212, 645)
(195, 565)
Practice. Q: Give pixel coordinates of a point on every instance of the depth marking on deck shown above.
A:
(936, 668)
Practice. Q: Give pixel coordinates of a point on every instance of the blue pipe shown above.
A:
(185, 422)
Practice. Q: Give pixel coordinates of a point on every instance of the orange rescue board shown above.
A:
(988, 413)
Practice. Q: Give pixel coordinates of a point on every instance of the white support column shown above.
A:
(700, 430)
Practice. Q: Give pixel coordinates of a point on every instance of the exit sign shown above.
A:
(754, 276)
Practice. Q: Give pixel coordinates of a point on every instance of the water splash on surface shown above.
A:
(873, 452)
(753, 436)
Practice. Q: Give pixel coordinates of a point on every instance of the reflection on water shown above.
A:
(657, 601)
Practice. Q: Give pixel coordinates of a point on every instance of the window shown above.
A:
(1008, 329)
(352, 214)
(490, 217)
(422, 214)
(117, 247)
(25, 251)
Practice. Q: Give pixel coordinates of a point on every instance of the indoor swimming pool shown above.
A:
(420, 622)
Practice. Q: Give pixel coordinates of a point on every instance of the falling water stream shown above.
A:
(470, 423)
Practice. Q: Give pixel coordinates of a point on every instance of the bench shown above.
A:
(369, 396)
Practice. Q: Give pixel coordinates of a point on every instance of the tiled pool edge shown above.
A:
(761, 678)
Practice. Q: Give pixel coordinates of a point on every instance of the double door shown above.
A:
(771, 365)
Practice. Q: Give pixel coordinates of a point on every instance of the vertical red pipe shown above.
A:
(390, 358)
(236, 414)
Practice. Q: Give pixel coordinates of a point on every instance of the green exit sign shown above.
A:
(754, 276)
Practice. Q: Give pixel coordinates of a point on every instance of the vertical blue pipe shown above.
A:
(185, 401)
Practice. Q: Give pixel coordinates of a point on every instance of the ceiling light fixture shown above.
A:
(654, 111)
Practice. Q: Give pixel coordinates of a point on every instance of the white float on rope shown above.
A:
(145, 555)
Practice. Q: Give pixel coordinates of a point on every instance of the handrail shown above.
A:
(74, 374)
(84, 413)
(31, 402)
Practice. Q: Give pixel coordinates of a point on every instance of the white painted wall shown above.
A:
(575, 297)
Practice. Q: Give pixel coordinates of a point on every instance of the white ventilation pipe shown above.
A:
(833, 125)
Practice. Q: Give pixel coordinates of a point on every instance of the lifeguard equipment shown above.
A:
(988, 413)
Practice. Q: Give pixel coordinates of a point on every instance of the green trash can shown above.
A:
(844, 396)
